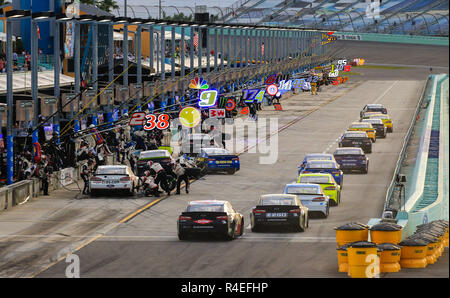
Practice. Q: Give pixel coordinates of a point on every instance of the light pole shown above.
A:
(10, 16)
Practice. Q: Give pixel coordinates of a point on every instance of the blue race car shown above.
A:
(352, 159)
(314, 156)
(217, 160)
(325, 166)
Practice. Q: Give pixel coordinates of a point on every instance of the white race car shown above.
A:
(113, 178)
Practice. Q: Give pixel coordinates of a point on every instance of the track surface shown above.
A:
(147, 245)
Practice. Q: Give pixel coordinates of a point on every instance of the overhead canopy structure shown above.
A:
(22, 81)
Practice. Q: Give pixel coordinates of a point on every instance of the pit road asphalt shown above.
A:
(34, 236)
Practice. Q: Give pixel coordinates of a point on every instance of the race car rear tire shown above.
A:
(299, 228)
(182, 236)
(366, 170)
(172, 182)
(94, 193)
(390, 129)
(333, 202)
(325, 215)
(241, 232)
(233, 233)
(231, 171)
(256, 229)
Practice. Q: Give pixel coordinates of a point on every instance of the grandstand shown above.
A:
(417, 17)
(414, 17)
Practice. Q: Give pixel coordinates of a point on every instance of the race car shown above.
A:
(364, 126)
(352, 159)
(325, 166)
(328, 184)
(218, 159)
(113, 178)
(386, 121)
(210, 217)
(373, 107)
(279, 209)
(163, 157)
(314, 156)
(311, 196)
(380, 128)
(356, 139)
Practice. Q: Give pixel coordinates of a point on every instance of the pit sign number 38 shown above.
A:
(151, 121)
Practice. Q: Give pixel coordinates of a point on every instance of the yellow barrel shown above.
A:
(413, 253)
(363, 260)
(342, 258)
(386, 233)
(351, 232)
(390, 257)
(432, 245)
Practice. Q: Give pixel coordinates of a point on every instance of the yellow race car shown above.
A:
(364, 126)
(326, 182)
(386, 121)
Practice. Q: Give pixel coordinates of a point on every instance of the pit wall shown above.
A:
(439, 209)
(23, 191)
(395, 38)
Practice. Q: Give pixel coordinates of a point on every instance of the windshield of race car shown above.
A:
(216, 151)
(153, 154)
(276, 201)
(345, 151)
(111, 171)
(318, 157)
(205, 207)
(361, 125)
(303, 190)
(355, 135)
(314, 179)
(318, 164)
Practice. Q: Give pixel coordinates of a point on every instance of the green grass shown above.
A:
(383, 67)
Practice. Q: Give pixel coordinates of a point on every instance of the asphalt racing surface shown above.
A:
(145, 244)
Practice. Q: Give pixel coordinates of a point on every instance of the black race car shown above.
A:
(356, 139)
(279, 209)
(210, 216)
(380, 128)
(373, 107)
(352, 159)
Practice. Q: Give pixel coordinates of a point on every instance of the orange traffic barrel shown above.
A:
(390, 257)
(386, 232)
(351, 232)
(363, 260)
(413, 253)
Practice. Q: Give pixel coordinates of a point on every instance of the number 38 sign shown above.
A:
(151, 121)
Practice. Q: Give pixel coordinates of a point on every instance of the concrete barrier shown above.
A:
(20, 192)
